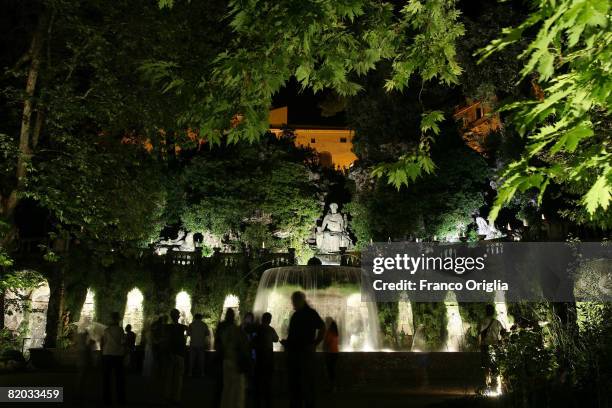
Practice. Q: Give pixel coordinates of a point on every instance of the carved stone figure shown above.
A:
(183, 242)
(487, 230)
(332, 234)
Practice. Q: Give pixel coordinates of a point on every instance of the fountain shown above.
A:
(405, 322)
(183, 304)
(334, 291)
(88, 312)
(501, 309)
(454, 324)
(134, 312)
(231, 302)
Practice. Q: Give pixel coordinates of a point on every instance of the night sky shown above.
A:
(304, 106)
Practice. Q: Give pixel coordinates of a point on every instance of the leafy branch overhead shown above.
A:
(568, 130)
(324, 44)
(411, 166)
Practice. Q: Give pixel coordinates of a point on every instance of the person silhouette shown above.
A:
(174, 345)
(264, 361)
(113, 351)
(130, 347)
(330, 346)
(233, 346)
(199, 342)
(156, 340)
(306, 331)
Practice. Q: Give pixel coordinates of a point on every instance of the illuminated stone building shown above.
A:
(333, 144)
(477, 121)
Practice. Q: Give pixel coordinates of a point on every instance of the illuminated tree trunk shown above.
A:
(30, 129)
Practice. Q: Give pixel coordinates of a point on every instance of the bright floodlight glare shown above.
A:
(134, 314)
(405, 320)
(230, 301)
(183, 304)
(37, 319)
(497, 391)
(87, 312)
(501, 310)
(454, 325)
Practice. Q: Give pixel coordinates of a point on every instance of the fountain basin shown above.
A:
(333, 291)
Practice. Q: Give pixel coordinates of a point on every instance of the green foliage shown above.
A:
(432, 54)
(102, 192)
(417, 162)
(258, 194)
(5, 258)
(8, 162)
(406, 170)
(453, 195)
(11, 340)
(88, 169)
(359, 223)
(524, 363)
(386, 124)
(430, 321)
(432, 28)
(568, 130)
(593, 354)
(589, 277)
(498, 75)
(387, 317)
(561, 355)
(20, 284)
(323, 44)
(472, 314)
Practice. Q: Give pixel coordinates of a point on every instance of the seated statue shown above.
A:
(332, 234)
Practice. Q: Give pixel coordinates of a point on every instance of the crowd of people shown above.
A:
(242, 363)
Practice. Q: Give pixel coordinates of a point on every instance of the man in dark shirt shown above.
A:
(130, 347)
(306, 331)
(264, 362)
(174, 340)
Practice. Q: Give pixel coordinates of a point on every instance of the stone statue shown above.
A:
(332, 234)
(183, 242)
(487, 230)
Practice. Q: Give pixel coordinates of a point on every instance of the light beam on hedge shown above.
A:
(87, 311)
(231, 301)
(134, 312)
(183, 304)
(454, 324)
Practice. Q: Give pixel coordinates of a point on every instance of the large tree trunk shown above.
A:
(55, 308)
(28, 136)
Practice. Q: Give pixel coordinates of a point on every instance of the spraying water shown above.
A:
(454, 324)
(334, 291)
(87, 311)
(231, 302)
(134, 313)
(183, 304)
(501, 309)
